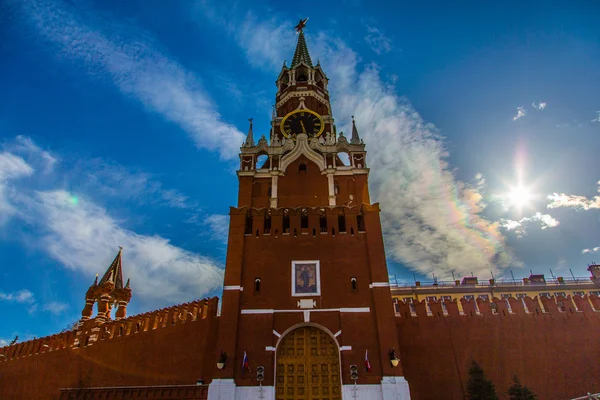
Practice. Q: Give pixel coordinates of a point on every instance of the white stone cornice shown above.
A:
(304, 93)
(302, 148)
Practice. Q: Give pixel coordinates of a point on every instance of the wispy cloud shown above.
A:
(139, 72)
(592, 250)
(111, 179)
(557, 200)
(219, 226)
(11, 167)
(544, 221)
(539, 106)
(597, 119)
(24, 146)
(377, 41)
(431, 220)
(521, 112)
(56, 307)
(22, 296)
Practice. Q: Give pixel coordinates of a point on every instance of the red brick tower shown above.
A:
(306, 292)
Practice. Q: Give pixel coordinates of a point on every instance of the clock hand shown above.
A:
(303, 128)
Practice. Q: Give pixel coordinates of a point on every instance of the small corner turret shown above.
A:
(107, 293)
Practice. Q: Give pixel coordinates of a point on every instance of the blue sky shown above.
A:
(120, 124)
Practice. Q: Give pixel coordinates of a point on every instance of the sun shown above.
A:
(520, 196)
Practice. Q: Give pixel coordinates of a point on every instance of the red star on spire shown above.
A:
(301, 25)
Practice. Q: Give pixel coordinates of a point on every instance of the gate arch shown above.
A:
(307, 365)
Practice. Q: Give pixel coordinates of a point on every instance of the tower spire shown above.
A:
(250, 138)
(355, 138)
(114, 273)
(301, 54)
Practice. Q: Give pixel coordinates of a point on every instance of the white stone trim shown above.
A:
(379, 284)
(276, 333)
(272, 311)
(306, 316)
(270, 348)
(356, 310)
(258, 311)
(233, 287)
(345, 348)
(300, 148)
(221, 389)
(338, 333)
(252, 393)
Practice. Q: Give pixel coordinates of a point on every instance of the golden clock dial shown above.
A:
(302, 121)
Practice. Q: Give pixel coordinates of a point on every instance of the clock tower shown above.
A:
(307, 311)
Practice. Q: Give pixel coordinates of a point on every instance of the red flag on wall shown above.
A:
(367, 363)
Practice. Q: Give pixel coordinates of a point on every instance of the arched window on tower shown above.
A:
(323, 222)
(304, 219)
(286, 221)
(301, 75)
(267, 226)
(360, 223)
(261, 160)
(248, 227)
(302, 168)
(341, 223)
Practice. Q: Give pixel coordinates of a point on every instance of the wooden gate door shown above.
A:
(308, 366)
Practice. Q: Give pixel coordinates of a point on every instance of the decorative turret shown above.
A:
(355, 138)
(249, 138)
(107, 292)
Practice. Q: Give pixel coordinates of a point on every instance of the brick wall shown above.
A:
(553, 352)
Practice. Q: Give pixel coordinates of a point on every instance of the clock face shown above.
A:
(302, 121)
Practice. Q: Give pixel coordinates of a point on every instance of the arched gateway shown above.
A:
(307, 366)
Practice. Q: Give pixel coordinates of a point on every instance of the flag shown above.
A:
(367, 363)
(245, 363)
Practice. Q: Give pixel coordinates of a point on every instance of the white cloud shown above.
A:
(520, 113)
(264, 40)
(545, 221)
(112, 179)
(140, 72)
(597, 119)
(4, 342)
(556, 200)
(219, 225)
(12, 167)
(593, 250)
(56, 307)
(22, 296)
(378, 42)
(24, 145)
(81, 235)
(539, 106)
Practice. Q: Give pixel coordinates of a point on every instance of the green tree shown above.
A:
(520, 392)
(479, 387)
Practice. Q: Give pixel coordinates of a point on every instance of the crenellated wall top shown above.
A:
(88, 332)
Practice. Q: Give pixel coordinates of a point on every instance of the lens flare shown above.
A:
(520, 196)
